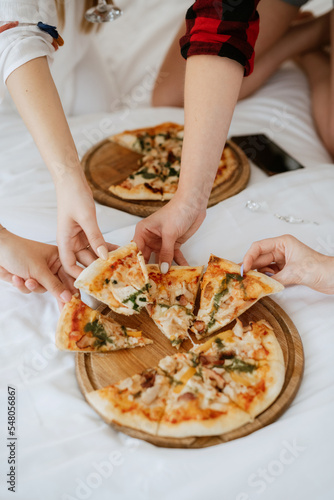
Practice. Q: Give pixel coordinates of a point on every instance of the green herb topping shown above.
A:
(223, 290)
(99, 332)
(176, 341)
(220, 344)
(240, 366)
(199, 372)
(171, 378)
(194, 359)
(124, 330)
(168, 306)
(133, 297)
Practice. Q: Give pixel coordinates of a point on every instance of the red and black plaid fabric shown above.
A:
(226, 28)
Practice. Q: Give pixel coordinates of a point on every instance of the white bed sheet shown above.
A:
(65, 451)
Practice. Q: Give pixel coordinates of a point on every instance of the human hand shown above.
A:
(291, 263)
(166, 230)
(31, 266)
(78, 235)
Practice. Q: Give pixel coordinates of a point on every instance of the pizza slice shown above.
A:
(225, 294)
(195, 405)
(158, 175)
(137, 402)
(82, 329)
(172, 299)
(256, 341)
(249, 372)
(121, 281)
(144, 140)
(253, 386)
(156, 179)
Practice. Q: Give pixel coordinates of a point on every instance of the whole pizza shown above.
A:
(223, 382)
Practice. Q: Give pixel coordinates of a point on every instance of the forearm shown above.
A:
(35, 95)
(325, 282)
(211, 91)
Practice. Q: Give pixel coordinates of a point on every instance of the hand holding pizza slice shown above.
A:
(120, 281)
(225, 294)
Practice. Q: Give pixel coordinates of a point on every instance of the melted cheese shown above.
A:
(184, 379)
(228, 336)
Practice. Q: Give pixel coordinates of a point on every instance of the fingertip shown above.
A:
(17, 281)
(164, 267)
(102, 252)
(65, 296)
(31, 284)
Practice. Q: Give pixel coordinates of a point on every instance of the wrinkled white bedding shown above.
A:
(65, 451)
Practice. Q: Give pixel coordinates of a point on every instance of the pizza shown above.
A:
(214, 388)
(225, 294)
(195, 405)
(159, 169)
(172, 299)
(137, 402)
(82, 329)
(121, 281)
(250, 363)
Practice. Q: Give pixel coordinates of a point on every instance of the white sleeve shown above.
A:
(23, 43)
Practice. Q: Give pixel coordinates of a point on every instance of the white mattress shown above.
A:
(63, 446)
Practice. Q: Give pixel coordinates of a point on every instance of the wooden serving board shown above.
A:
(108, 163)
(95, 371)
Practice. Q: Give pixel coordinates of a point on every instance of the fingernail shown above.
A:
(31, 285)
(102, 252)
(242, 270)
(164, 267)
(66, 296)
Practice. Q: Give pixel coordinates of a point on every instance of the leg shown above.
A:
(297, 39)
(317, 67)
(275, 18)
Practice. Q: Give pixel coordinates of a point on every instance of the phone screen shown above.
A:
(266, 154)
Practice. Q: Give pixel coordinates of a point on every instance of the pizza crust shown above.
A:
(230, 306)
(111, 414)
(272, 374)
(108, 295)
(234, 417)
(140, 192)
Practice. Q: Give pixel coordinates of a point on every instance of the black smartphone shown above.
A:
(266, 154)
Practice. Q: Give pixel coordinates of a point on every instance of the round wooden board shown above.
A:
(95, 371)
(107, 163)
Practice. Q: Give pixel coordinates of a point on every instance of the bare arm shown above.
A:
(35, 95)
(209, 105)
(211, 90)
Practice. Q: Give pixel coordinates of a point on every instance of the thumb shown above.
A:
(53, 285)
(166, 252)
(96, 239)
